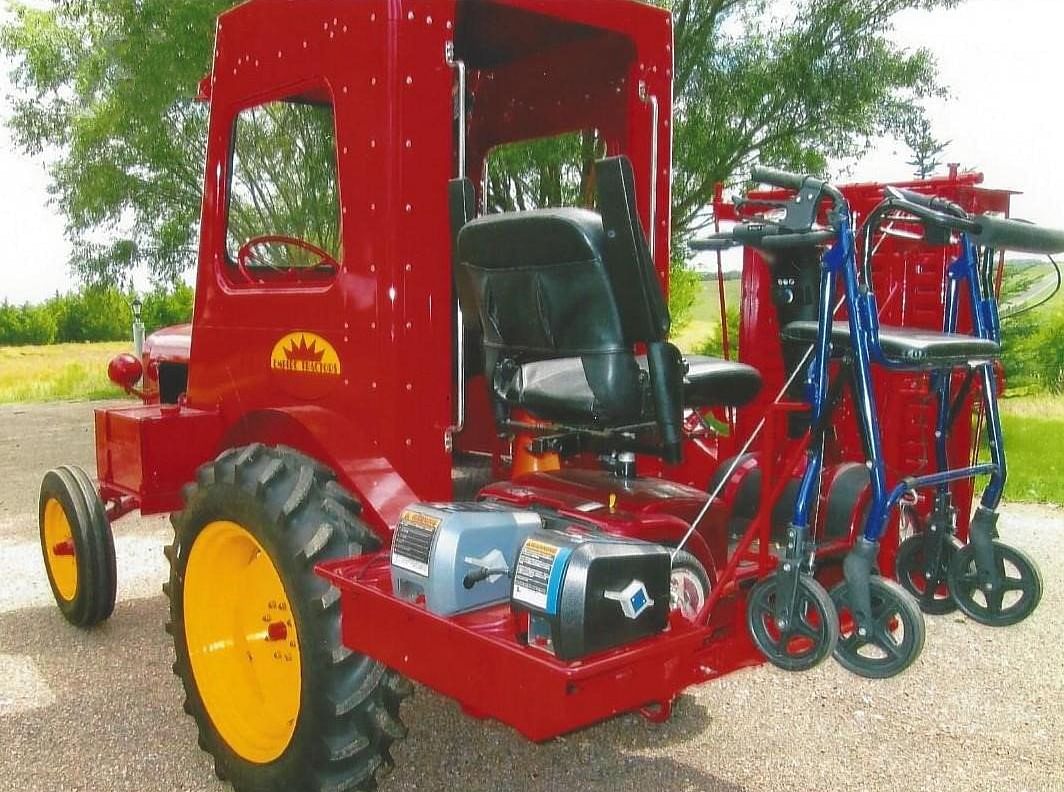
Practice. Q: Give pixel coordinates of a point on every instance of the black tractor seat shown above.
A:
(575, 322)
(560, 390)
(907, 347)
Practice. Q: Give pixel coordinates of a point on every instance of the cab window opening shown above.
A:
(284, 198)
(554, 171)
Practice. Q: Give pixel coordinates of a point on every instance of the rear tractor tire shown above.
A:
(280, 703)
(78, 547)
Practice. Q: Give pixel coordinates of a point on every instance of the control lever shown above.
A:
(482, 574)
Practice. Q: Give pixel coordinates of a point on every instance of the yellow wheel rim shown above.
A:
(242, 642)
(59, 551)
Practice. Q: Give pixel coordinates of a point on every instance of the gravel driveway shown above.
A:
(982, 709)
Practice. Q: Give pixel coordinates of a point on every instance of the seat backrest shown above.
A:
(461, 198)
(640, 299)
(567, 283)
(462, 201)
(544, 292)
(541, 283)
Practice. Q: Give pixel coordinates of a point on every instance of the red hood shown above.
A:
(170, 344)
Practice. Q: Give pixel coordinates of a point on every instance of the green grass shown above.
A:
(704, 323)
(1034, 436)
(57, 373)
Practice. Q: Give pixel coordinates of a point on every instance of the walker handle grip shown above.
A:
(932, 202)
(1002, 234)
(782, 179)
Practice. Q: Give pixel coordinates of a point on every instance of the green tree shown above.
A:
(26, 324)
(94, 314)
(166, 307)
(109, 85)
(792, 85)
(925, 147)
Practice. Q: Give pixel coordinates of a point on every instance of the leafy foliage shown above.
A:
(166, 307)
(93, 314)
(790, 84)
(545, 172)
(108, 86)
(27, 324)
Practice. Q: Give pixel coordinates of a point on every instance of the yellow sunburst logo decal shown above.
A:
(305, 353)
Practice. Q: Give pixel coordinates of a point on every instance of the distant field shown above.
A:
(56, 373)
(1034, 434)
(1034, 425)
(705, 317)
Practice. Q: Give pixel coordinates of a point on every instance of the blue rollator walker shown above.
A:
(989, 581)
(882, 624)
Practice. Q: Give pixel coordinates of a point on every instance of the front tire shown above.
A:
(280, 703)
(78, 547)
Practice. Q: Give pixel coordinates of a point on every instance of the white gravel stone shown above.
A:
(982, 710)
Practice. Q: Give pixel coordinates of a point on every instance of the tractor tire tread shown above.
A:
(350, 717)
(318, 542)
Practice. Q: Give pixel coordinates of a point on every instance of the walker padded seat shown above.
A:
(907, 347)
(563, 304)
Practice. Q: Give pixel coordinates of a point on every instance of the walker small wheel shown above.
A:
(804, 639)
(887, 643)
(689, 585)
(999, 597)
(78, 547)
(928, 585)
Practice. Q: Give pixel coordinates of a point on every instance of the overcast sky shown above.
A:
(1001, 60)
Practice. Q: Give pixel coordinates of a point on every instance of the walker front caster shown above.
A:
(885, 641)
(922, 567)
(792, 621)
(1000, 593)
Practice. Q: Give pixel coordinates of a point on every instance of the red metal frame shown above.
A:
(536, 67)
(531, 691)
(381, 331)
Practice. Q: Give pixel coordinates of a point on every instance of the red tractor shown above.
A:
(405, 438)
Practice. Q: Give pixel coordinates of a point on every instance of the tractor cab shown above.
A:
(349, 144)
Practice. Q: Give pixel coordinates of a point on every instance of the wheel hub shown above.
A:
(687, 593)
(242, 641)
(60, 554)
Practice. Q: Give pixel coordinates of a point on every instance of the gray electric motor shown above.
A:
(458, 555)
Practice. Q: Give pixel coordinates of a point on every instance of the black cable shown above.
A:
(1040, 303)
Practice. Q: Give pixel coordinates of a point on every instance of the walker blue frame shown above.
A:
(971, 572)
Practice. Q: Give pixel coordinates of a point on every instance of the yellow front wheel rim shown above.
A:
(242, 642)
(59, 550)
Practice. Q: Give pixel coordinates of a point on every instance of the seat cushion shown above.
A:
(907, 346)
(713, 382)
(559, 390)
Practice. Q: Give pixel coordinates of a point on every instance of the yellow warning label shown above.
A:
(419, 520)
(541, 547)
(305, 353)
